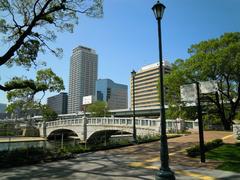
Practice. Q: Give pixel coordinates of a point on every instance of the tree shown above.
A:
(48, 113)
(98, 109)
(27, 26)
(23, 102)
(218, 60)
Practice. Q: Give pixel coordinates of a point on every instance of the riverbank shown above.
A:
(20, 139)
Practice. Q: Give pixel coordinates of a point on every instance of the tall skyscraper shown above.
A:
(146, 81)
(58, 103)
(114, 94)
(83, 75)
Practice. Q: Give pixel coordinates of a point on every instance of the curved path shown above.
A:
(134, 162)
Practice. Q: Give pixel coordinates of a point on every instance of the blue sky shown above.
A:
(126, 37)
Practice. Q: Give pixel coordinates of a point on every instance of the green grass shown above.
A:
(229, 155)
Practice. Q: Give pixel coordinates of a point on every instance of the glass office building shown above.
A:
(58, 103)
(116, 95)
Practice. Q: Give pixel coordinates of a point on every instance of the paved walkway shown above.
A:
(128, 163)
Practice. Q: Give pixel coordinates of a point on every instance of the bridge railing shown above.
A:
(65, 122)
(171, 124)
(123, 122)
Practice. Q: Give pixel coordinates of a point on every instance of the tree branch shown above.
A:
(34, 8)
(19, 42)
(19, 85)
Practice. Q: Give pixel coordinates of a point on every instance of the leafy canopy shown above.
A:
(28, 26)
(98, 108)
(215, 59)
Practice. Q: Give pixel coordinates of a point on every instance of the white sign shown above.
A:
(87, 100)
(208, 87)
(188, 92)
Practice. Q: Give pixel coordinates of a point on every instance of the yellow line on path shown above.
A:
(156, 159)
(195, 175)
(181, 172)
(226, 137)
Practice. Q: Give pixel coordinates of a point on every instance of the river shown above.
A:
(7, 143)
(25, 144)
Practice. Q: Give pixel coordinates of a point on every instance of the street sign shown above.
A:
(87, 100)
(208, 87)
(188, 92)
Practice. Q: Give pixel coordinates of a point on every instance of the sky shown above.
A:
(126, 37)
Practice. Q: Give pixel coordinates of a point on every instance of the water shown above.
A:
(47, 144)
(51, 144)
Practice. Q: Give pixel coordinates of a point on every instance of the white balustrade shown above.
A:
(145, 123)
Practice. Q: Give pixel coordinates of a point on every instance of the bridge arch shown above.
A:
(102, 135)
(58, 132)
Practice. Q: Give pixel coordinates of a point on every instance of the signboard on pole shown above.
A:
(188, 93)
(208, 87)
(87, 100)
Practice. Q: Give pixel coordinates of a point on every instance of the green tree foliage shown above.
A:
(48, 113)
(27, 27)
(21, 108)
(216, 59)
(22, 100)
(98, 109)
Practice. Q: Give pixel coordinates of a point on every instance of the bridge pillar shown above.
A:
(85, 121)
(43, 130)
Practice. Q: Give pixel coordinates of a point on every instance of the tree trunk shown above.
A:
(226, 123)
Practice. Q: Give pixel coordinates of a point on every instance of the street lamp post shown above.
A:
(133, 105)
(164, 171)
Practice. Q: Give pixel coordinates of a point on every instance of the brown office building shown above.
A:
(146, 80)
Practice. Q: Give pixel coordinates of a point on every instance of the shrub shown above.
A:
(148, 138)
(195, 150)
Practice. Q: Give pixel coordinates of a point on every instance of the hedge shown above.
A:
(195, 150)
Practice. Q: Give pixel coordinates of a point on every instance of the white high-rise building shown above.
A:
(83, 76)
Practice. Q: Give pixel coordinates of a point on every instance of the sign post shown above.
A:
(191, 93)
(86, 101)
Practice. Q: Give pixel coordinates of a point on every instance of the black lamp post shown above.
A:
(164, 171)
(133, 105)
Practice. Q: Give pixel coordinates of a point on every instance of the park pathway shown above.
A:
(128, 163)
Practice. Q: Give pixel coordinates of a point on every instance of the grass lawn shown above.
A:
(229, 154)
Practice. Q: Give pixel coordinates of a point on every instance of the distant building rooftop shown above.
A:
(149, 66)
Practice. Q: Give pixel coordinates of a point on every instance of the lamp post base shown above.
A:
(165, 175)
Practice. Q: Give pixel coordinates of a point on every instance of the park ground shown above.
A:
(133, 162)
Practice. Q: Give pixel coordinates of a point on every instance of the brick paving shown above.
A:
(178, 145)
(150, 152)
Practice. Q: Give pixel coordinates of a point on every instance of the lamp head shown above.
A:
(133, 73)
(158, 10)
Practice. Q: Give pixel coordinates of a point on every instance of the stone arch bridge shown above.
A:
(86, 128)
